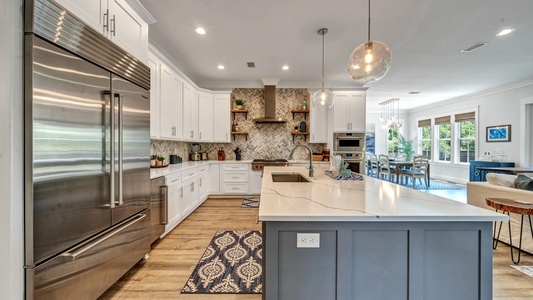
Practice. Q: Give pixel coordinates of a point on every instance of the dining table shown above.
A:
(402, 164)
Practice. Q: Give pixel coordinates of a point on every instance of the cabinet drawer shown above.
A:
(173, 178)
(235, 188)
(237, 176)
(189, 173)
(203, 169)
(235, 167)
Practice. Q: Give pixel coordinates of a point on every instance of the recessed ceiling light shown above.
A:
(200, 30)
(285, 67)
(505, 32)
(220, 67)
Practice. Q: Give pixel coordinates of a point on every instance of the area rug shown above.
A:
(437, 185)
(250, 203)
(231, 264)
(528, 270)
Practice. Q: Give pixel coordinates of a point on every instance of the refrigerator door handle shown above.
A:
(164, 205)
(120, 98)
(72, 256)
(111, 150)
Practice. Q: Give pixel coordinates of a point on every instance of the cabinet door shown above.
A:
(91, 12)
(190, 107)
(127, 29)
(255, 182)
(155, 87)
(205, 117)
(190, 196)
(170, 104)
(341, 113)
(221, 118)
(318, 125)
(214, 179)
(175, 198)
(203, 187)
(357, 119)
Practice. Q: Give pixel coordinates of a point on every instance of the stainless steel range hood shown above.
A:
(270, 107)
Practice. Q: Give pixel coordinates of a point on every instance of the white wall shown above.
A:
(496, 107)
(11, 150)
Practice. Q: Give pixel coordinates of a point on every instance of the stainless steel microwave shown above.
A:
(349, 141)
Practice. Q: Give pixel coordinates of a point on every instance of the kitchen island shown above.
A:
(370, 239)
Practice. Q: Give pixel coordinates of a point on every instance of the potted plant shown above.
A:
(239, 103)
(406, 146)
(159, 162)
(295, 128)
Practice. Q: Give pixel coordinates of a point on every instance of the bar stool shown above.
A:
(511, 206)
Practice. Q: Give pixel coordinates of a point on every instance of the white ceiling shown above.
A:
(425, 37)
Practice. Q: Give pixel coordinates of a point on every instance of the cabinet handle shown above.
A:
(200, 181)
(192, 187)
(106, 20)
(177, 179)
(226, 136)
(192, 134)
(181, 192)
(113, 27)
(191, 174)
(234, 177)
(200, 135)
(234, 188)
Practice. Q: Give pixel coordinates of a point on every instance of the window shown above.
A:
(424, 128)
(444, 137)
(392, 140)
(466, 135)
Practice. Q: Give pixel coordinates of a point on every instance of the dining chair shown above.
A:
(373, 170)
(385, 168)
(418, 170)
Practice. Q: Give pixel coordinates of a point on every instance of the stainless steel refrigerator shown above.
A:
(87, 147)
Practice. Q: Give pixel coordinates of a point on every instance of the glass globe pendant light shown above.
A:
(323, 98)
(370, 61)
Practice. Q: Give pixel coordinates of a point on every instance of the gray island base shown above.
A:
(376, 240)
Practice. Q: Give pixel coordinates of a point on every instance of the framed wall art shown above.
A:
(500, 133)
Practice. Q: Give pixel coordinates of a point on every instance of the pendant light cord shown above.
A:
(369, 20)
(323, 60)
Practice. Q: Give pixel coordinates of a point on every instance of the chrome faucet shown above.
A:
(311, 169)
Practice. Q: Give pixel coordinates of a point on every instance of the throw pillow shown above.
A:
(501, 179)
(524, 182)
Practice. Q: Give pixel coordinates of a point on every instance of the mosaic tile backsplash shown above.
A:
(269, 141)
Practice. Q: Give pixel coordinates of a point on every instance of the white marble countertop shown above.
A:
(326, 199)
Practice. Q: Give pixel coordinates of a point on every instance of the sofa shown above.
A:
(500, 187)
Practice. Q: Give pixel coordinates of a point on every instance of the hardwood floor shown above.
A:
(173, 258)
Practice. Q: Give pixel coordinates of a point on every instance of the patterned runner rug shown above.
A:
(528, 270)
(250, 203)
(231, 264)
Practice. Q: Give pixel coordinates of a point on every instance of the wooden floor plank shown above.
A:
(173, 259)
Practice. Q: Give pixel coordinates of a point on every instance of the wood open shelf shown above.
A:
(239, 133)
(305, 134)
(300, 111)
(240, 111)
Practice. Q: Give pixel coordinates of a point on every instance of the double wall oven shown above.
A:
(351, 147)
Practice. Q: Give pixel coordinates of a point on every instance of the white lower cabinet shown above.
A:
(234, 178)
(255, 178)
(214, 179)
(203, 184)
(190, 191)
(174, 198)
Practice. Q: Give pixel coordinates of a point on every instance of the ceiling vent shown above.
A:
(473, 47)
(251, 64)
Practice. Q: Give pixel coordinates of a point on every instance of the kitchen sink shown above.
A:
(288, 177)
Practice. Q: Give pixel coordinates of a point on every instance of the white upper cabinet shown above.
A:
(318, 126)
(155, 88)
(171, 102)
(115, 19)
(190, 113)
(205, 117)
(349, 112)
(221, 118)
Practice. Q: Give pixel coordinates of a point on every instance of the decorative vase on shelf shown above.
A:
(239, 107)
(304, 106)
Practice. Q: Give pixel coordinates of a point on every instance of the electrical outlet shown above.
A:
(308, 240)
(498, 151)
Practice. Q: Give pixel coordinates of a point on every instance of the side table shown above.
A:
(511, 206)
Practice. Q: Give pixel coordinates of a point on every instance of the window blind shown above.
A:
(424, 123)
(443, 120)
(464, 117)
